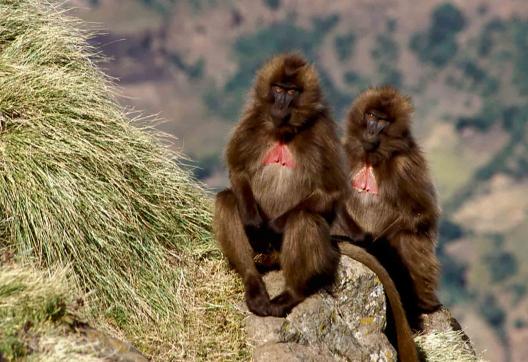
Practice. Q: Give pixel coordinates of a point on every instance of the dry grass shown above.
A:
(81, 186)
(32, 303)
(445, 346)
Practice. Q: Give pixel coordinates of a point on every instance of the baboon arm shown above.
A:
(246, 203)
(415, 196)
(417, 254)
(233, 241)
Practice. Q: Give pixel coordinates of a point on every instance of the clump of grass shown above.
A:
(446, 346)
(81, 186)
(30, 302)
(37, 314)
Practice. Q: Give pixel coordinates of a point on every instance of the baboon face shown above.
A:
(374, 123)
(288, 92)
(284, 98)
(380, 122)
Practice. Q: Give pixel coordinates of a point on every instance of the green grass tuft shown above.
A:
(30, 301)
(81, 186)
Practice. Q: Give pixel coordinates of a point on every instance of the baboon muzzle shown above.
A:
(281, 106)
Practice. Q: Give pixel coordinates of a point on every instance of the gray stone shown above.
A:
(110, 348)
(344, 323)
(440, 321)
(290, 352)
(443, 321)
(263, 330)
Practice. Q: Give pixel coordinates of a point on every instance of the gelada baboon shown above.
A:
(286, 184)
(286, 180)
(392, 206)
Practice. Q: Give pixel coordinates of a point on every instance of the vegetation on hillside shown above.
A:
(438, 44)
(81, 187)
(38, 312)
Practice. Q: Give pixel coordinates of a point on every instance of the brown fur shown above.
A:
(271, 208)
(402, 218)
(274, 216)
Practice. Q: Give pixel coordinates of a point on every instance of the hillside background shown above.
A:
(465, 63)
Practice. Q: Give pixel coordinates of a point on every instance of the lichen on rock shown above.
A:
(346, 323)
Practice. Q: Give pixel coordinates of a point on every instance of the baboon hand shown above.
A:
(257, 298)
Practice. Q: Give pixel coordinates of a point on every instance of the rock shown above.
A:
(344, 323)
(290, 352)
(108, 347)
(443, 323)
(440, 321)
(263, 330)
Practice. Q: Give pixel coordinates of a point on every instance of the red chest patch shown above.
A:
(365, 180)
(280, 154)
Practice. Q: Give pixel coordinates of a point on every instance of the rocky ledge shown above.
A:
(344, 323)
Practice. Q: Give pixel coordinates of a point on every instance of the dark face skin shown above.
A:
(374, 122)
(283, 98)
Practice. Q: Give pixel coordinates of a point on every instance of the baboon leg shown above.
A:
(418, 257)
(235, 245)
(308, 259)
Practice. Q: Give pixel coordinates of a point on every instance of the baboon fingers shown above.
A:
(256, 295)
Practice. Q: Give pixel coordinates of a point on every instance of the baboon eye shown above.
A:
(370, 116)
(277, 89)
(291, 92)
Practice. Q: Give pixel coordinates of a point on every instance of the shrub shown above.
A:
(351, 77)
(492, 312)
(344, 46)
(447, 21)
(518, 291)
(272, 4)
(438, 44)
(490, 114)
(449, 230)
(453, 280)
(502, 265)
(386, 54)
(323, 24)
(486, 41)
(520, 69)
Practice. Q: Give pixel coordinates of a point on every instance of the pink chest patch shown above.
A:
(365, 180)
(280, 154)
